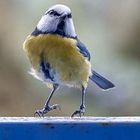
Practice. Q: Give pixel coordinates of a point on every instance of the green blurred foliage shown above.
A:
(111, 31)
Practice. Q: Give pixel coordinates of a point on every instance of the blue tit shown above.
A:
(58, 57)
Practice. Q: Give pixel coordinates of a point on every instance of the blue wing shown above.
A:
(83, 50)
(47, 70)
(95, 77)
(101, 81)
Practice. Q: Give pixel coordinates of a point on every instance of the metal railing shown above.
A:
(66, 128)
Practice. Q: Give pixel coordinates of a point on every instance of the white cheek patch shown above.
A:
(69, 28)
(47, 24)
(41, 24)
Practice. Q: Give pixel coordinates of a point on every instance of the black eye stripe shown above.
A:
(52, 12)
(56, 14)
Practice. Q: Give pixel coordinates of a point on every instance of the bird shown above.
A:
(58, 57)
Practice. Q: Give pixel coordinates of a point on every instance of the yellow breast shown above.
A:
(62, 54)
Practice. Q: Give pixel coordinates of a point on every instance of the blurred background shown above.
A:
(111, 31)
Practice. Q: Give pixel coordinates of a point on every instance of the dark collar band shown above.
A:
(37, 32)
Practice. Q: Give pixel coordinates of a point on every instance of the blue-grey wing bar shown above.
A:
(83, 50)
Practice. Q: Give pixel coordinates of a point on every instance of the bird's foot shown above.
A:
(79, 112)
(46, 109)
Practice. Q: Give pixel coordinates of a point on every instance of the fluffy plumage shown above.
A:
(66, 64)
(58, 57)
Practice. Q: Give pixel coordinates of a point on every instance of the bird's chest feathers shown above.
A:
(54, 49)
(60, 53)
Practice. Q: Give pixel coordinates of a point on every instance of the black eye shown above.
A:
(51, 12)
(69, 15)
(54, 13)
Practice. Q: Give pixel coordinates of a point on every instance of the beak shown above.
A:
(63, 16)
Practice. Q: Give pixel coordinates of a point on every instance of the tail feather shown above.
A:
(101, 81)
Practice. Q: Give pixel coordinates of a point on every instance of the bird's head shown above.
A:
(57, 19)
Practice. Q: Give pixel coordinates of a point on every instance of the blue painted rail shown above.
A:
(65, 128)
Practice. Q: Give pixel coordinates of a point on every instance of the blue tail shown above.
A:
(101, 81)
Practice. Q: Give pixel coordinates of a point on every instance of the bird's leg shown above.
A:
(81, 110)
(48, 107)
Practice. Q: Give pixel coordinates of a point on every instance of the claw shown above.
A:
(79, 112)
(39, 113)
(46, 109)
